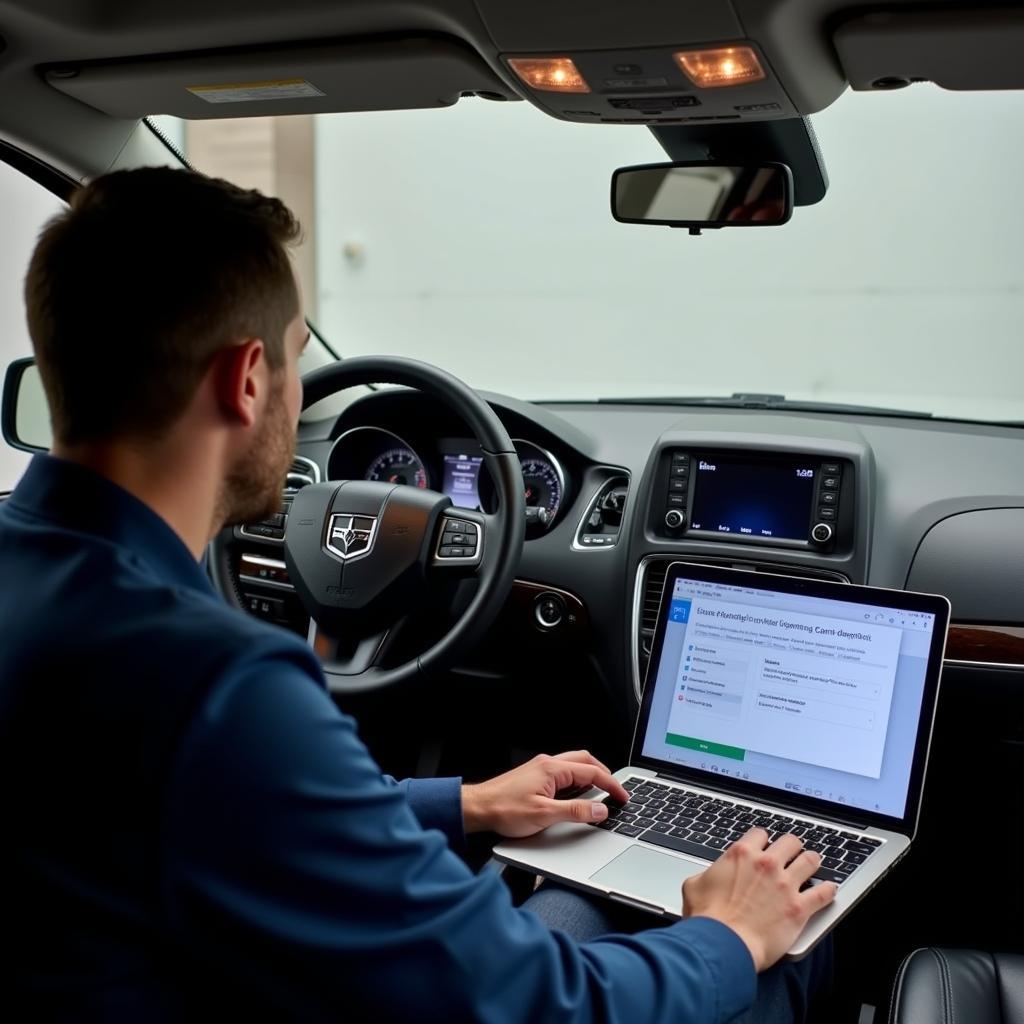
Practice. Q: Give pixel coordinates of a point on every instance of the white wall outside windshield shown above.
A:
(479, 238)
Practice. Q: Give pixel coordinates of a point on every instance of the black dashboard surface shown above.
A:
(911, 476)
(923, 471)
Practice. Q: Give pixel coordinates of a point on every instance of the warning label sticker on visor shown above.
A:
(248, 92)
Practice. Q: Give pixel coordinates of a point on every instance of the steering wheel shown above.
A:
(362, 554)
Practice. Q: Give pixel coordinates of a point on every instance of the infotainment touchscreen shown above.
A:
(769, 498)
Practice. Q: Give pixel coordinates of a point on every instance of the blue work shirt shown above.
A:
(192, 827)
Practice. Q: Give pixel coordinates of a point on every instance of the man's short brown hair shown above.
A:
(135, 287)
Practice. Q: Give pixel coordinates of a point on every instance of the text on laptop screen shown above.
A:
(806, 694)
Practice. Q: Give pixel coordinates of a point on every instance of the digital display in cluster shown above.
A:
(462, 479)
(769, 499)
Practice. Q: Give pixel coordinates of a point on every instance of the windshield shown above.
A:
(479, 238)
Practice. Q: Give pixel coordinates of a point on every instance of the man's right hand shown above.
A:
(754, 889)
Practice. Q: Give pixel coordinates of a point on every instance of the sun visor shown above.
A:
(961, 50)
(388, 75)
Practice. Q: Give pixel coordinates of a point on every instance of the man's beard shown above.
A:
(252, 488)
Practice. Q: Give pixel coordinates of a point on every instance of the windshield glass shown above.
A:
(479, 238)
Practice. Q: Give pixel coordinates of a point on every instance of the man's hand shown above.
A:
(755, 890)
(522, 801)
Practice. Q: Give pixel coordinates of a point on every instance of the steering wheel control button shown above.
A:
(270, 608)
(267, 571)
(269, 529)
(821, 533)
(549, 610)
(460, 540)
(675, 519)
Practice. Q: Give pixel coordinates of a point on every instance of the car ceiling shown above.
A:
(77, 74)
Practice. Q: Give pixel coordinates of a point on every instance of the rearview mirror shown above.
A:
(24, 413)
(703, 195)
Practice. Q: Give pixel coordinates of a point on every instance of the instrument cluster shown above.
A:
(453, 466)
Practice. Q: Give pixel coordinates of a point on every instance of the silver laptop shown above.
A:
(797, 705)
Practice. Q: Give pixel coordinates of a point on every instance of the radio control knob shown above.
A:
(674, 519)
(822, 533)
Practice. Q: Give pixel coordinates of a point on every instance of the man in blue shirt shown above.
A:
(192, 827)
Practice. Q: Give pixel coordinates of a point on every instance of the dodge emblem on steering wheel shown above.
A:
(351, 536)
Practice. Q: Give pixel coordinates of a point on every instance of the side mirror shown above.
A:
(698, 195)
(24, 412)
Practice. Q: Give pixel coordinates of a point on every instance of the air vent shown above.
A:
(654, 581)
(650, 582)
(653, 584)
(599, 528)
(302, 473)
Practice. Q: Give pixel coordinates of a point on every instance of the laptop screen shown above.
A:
(815, 690)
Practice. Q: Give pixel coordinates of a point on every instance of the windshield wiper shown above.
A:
(752, 400)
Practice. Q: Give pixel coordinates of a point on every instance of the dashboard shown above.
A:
(615, 493)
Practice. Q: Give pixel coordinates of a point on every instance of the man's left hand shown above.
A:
(522, 802)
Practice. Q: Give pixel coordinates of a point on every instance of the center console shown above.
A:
(759, 500)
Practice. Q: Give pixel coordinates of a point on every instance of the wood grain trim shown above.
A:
(988, 645)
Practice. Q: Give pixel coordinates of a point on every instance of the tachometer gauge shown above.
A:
(373, 453)
(398, 466)
(543, 488)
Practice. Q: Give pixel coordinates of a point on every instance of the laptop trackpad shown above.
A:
(649, 874)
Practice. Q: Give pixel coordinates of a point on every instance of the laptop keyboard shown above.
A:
(705, 826)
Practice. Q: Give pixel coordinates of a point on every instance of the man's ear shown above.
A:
(239, 375)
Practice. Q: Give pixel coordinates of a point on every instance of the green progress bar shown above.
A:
(705, 746)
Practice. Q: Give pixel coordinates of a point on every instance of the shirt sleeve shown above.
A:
(437, 803)
(290, 863)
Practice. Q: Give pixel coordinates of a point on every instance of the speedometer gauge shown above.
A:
(542, 485)
(398, 466)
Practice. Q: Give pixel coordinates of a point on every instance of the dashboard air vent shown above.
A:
(653, 584)
(302, 473)
(600, 525)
